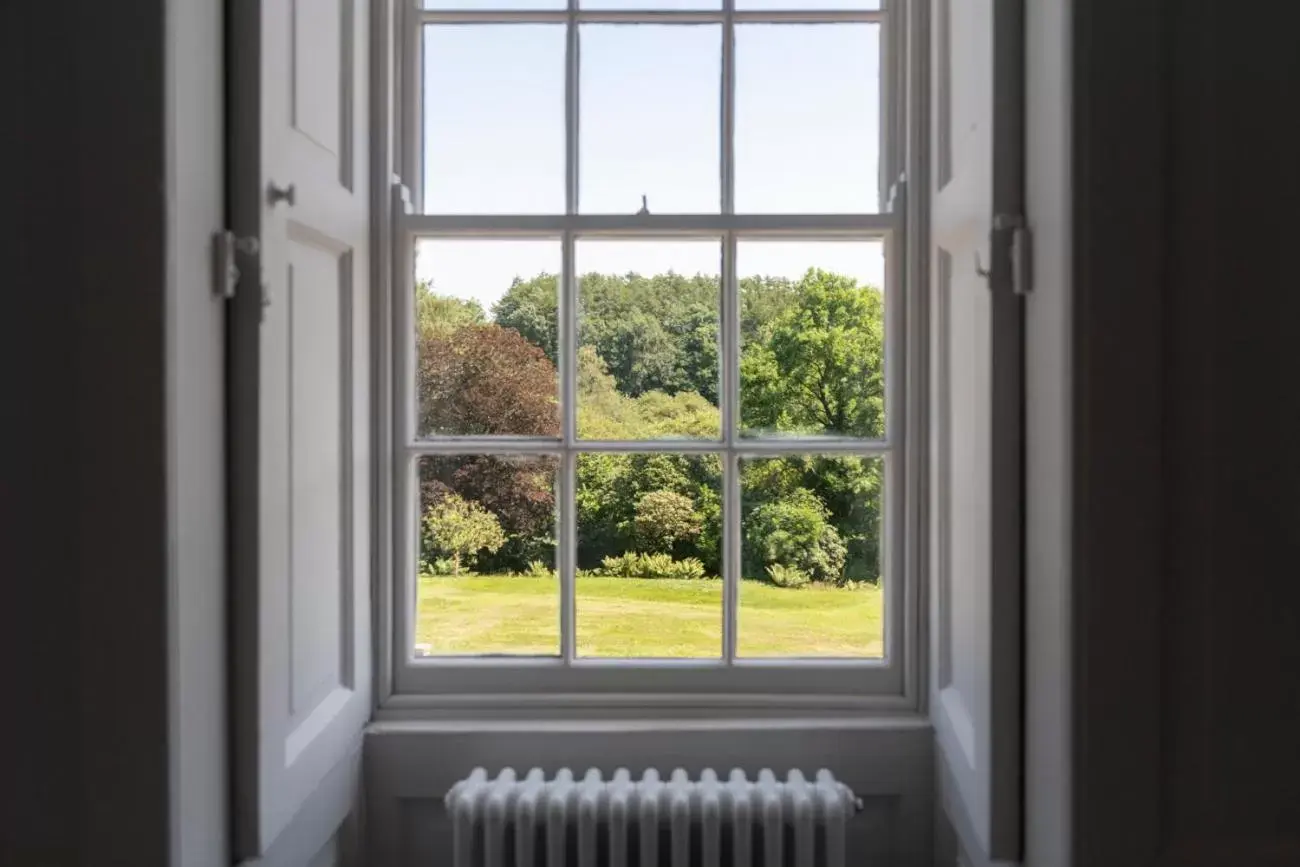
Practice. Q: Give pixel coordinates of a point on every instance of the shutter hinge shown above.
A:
(1020, 250)
(225, 269)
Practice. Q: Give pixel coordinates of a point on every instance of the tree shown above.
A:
(484, 379)
(821, 370)
(664, 518)
(462, 528)
(434, 312)
(531, 308)
(794, 531)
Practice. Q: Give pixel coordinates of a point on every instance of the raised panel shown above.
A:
(977, 414)
(318, 310)
(315, 94)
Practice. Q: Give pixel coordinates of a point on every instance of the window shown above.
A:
(651, 435)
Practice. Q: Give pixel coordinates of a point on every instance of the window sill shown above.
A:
(649, 708)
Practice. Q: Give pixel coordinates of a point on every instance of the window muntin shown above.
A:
(850, 226)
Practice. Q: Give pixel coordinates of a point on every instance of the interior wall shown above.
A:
(1186, 604)
(97, 188)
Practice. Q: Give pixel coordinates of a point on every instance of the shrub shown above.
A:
(538, 569)
(787, 576)
(795, 531)
(634, 565)
(462, 528)
(664, 518)
(440, 566)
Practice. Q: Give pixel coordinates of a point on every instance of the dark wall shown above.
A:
(83, 741)
(1187, 571)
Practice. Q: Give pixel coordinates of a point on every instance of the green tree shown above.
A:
(531, 308)
(794, 531)
(821, 369)
(443, 313)
(664, 518)
(461, 528)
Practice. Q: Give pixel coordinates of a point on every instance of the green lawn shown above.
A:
(632, 617)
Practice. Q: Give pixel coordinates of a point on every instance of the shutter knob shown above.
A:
(276, 194)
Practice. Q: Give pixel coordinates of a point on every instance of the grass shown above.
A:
(635, 617)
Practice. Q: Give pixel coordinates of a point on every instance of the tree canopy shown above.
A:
(647, 368)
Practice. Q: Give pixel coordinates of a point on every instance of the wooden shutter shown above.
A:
(300, 423)
(976, 175)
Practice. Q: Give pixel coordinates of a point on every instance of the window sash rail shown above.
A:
(741, 446)
(865, 227)
(652, 16)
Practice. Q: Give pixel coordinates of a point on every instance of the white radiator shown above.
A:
(622, 822)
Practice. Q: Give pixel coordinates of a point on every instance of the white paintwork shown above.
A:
(1048, 435)
(312, 397)
(975, 582)
(730, 811)
(195, 365)
(566, 682)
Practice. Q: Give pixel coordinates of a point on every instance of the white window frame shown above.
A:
(524, 684)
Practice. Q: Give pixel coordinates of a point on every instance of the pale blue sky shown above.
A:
(806, 138)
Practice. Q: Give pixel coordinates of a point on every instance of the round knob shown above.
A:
(276, 194)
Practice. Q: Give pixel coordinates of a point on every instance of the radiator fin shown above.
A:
(651, 822)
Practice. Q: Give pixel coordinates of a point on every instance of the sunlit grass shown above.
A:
(632, 617)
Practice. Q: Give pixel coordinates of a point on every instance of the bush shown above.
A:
(440, 566)
(633, 565)
(538, 569)
(787, 576)
(664, 518)
(461, 528)
(794, 531)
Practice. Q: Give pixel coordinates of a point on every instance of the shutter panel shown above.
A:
(977, 413)
(300, 402)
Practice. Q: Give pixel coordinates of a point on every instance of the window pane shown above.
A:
(807, 118)
(649, 556)
(648, 340)
(495, 4)
(812, 338)
(486, 556)
(811, 557)
(485, 333)
(808, 4)
(650, 4)
(494, 119)
(649, 119)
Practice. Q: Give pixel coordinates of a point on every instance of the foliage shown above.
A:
(462, 528)
(656, 566)
(538, 569)
(796, 531)
(647, 367)
(440, 566)
(443, 313)
(664, 518)
(822, 368)
(478, 380)
(531, 308)
(787, 576)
